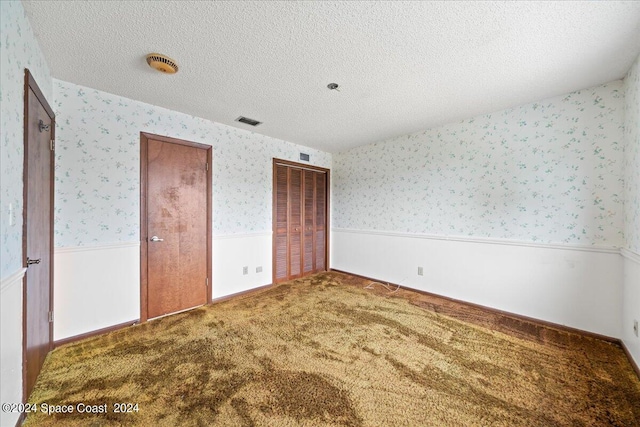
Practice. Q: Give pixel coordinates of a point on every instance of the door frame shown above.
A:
(144, 238)
(30, 84)
(327, 209)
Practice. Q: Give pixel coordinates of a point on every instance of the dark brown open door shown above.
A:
(37, 232)
(176, 225)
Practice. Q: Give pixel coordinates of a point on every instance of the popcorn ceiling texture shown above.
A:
(18, 50)
(546, 172)
(98, 166)
(402, 66)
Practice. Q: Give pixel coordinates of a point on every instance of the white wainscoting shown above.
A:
(580, 287)
(95, 287)
(11, 343)
(631, 302)
(233, 252)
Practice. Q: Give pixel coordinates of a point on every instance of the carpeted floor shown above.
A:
(319, 352)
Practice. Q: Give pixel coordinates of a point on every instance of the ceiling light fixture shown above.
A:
(162, 63)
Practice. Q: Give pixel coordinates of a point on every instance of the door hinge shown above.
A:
(207, 282)
(51, 317)
(52, 144)
(206, 166)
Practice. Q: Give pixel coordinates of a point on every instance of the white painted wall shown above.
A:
(231, 253)
(11, 344)
(95, 287)
(631, 303)
(578, 287)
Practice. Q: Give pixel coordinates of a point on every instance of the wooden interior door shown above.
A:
(176, 230)
(37, 232)
(300, 205)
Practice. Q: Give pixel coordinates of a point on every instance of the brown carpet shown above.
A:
(319, 352)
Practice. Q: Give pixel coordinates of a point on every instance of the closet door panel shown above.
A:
(299, 221)
(281, 257)
(309, 221)
(320, 250)
(281, 223)
(320, 220)
(295, 222)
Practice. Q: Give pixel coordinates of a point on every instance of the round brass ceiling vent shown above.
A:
(162, 63)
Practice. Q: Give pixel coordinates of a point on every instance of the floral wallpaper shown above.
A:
(18, 50)
(98, 166)
(546, 172)
(632, 158)
(550, 171)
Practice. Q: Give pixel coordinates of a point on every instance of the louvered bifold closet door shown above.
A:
(281, 223)
(295, 223)
(320, 221)
(300, 221)
(309, 254)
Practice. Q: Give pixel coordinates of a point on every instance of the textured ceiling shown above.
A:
(401, 66)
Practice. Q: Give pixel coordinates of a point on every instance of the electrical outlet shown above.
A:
(420, 271)
(259, 269)
(635, 327)
(245, 270)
